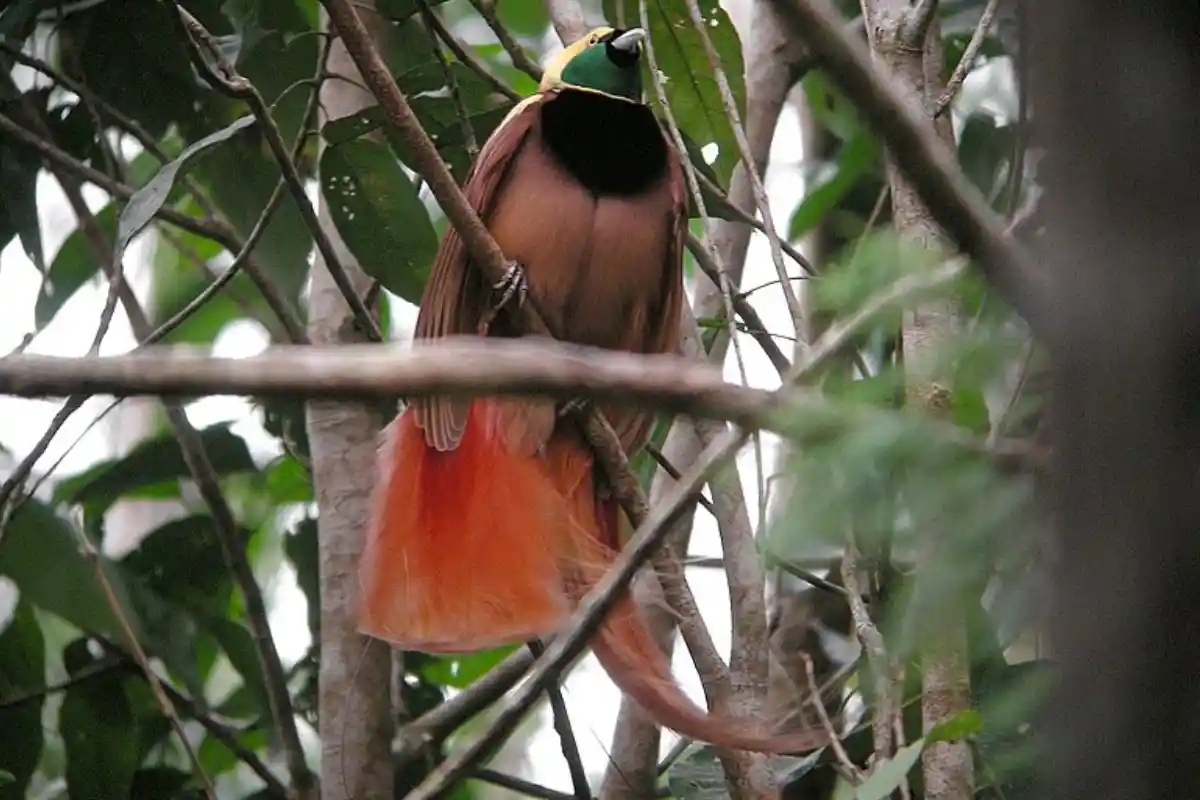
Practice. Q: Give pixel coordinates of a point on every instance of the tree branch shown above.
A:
(226, 80)
(926, 161)
(223, 234)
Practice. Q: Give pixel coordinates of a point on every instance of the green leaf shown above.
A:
(74, 265)
(216, 757)
(147, 201)
(22, 674)
(379, 215)
(98, 730)
(181, 561)
(855, 159)
(963, 724)
(111, 47)
(154, 462)
(400, 10)
(238, 643)
(889, 774)
(697, 775)
(984, 149)
(40, 553)
(75, 262)
(460, 671)
(691, 89)
(969, 410)
(19, 169)
(18, 19)
(159, 783)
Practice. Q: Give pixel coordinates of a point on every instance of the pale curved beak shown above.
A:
(629, 40)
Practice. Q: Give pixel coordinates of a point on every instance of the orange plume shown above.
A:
(475, 547)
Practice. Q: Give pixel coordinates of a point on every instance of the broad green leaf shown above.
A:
(75, 262)
(889, 774)
(181, 561)
(524, 19)
(400, 10)
(460, 671)
(697, 775)
(238, 643)
(22, 674)
(379, 215)
(963, 724)
(153, 462)
(287, 481)
(854, 160)
(18, 19)
(217, 758)
(99, 732)
(74, 265)
(40, 553)
(146, 201)
(19, 168)
(690, 87)
(159, 783)
(969, 410)
(284, 419)
(423, 80)
(129, 53)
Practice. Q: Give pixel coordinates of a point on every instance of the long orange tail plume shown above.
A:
(475, 547)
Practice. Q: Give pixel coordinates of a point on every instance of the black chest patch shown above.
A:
(612, 147)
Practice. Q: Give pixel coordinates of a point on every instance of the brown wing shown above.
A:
(633, 426)
(455, 296)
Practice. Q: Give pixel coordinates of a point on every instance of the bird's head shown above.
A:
(605, 61)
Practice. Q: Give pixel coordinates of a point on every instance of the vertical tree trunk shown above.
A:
(1115, 89)
(355, 710)
(913, 57)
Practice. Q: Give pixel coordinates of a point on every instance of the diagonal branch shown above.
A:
(225, 79)
(61, 163)
(196, 458)
(926, 161)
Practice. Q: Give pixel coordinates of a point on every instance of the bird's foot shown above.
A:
(512, 285)
(571, 406)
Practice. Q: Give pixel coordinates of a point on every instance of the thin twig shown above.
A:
(968, 58)
(445, 717)
(460, 110)
(650, 534)
(88, 671)
(566, 736)
(671, 470)
(225, 79)
(926, 161)
(754, 323)
(228, 737)
(872, 643)
(216, 230)
(816, 698)
(196, 458)
(107, 109)
(520, 59)
(739, 136)
(93, 558)
(462, 51)
(519, 785)
(757, 224)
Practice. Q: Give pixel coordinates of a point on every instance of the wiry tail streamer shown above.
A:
(476, 547)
